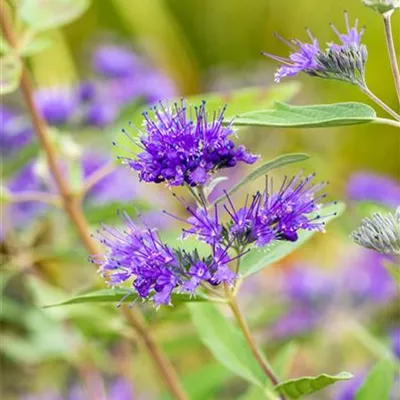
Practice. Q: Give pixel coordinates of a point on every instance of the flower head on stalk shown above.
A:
(382, 6)
(344, 61)
(267, 217)
(184, 146)
(157, 270)
(381, 233)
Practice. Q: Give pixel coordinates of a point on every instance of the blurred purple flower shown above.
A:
(182, 146)
(15, 131)
(101, 113)
(21, 214)
(347, 390)
(156, 86)
(368, 186)
(308, 286)
(395, 336)
(297, 321)
(86, 91)
(113, 61)
(118, 389)
(366, 279)
(57, 104)
(116, 186)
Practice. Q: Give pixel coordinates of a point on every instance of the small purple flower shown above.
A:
(395, 336)
(344, 61)
(368, 186)
(303, 58)
(139, 254)
(113, 61)
(185, 146)
(57, 104)
(15, 131)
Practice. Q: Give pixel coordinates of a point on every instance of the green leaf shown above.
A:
(115, 295)
(42, 15)
(204, 382)
(11, 70)
(36, 45)
(324, 115)
(225, 342)
(378, 383)
(296, 388)
(257, 260)
(263, 169)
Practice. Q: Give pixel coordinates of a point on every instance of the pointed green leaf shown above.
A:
(257, 260)
(115, 295)
(225, 342)
(11, 70)
(49, 14)
(296, 388)
(378, 383)
(316, 116)
(36, 45)
(264, 169)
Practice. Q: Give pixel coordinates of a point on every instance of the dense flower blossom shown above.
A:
(267, 217)
(381, 233)
(184, 146)
(157, 270)
(15, 131)
(368, 186)
(344, 61)
(57, 104)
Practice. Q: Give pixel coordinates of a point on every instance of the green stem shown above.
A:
(380, 103)
(392, 52)
(385, 121)
(267, 369)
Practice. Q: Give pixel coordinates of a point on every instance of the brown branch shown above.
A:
(72, 207)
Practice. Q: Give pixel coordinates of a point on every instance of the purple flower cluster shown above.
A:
(157, 270)
(344, 61)
(269, 216)
(183, 146)
(122, 78)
